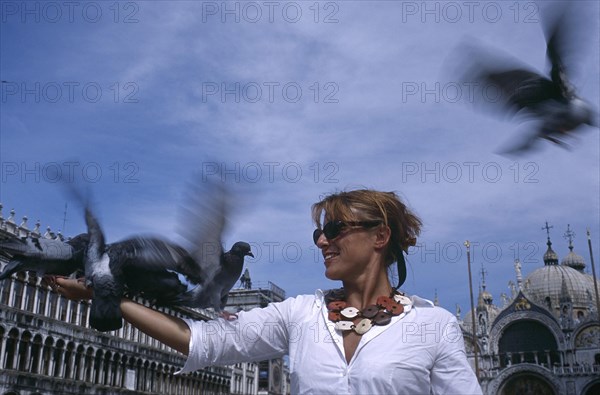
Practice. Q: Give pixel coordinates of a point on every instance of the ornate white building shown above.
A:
(46, 346)
(545, 338)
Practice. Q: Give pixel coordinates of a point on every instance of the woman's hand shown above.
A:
(74, 289)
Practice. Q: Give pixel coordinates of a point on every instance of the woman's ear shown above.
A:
(383, 234)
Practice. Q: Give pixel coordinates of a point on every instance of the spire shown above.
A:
(550, 257)
(436, 301)
(569, 234)
(483, 273)
(485, 297)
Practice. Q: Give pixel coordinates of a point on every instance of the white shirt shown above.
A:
(420, 352)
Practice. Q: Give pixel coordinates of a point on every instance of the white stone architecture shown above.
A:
(545, 338)
(46, 346)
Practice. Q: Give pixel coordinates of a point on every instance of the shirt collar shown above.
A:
(421, 302)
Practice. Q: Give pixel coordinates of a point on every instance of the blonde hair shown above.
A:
(371, 205)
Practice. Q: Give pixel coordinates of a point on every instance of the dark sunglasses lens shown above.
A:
(316, 234)
(332, 229)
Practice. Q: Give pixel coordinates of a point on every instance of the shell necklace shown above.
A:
(380, 313)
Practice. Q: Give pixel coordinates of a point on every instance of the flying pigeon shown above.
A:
(204, 281)
(44, 256)
(551, 101)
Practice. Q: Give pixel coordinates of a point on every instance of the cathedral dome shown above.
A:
(550, 257)
(574, 260)
(545, 286)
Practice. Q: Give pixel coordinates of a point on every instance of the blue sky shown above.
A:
(293, 100)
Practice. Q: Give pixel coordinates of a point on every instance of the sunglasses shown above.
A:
(332, 229)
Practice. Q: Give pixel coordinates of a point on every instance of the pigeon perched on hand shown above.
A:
(551, 101)
(44, 256)
(146, 266)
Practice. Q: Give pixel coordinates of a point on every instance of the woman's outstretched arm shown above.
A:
(167, 329)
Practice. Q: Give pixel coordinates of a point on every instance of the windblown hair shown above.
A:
(371, 205)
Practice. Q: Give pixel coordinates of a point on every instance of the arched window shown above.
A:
(36, 350)
(85, 309)
(52, 300)
(78, 364)
(5, 291)
(11, 349)
(69, 357)
(29, 296)
(46, 356)
(98, 375)
(107, 369)
(527, 383)
(527, 341)
(41, 301)
(24, 347)
(594, 389)
(60, 359)
(75, 311)
(17, 293)
(63, 304)
(89, 364)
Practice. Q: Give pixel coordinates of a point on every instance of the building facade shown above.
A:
(46, 346)
(545, 337)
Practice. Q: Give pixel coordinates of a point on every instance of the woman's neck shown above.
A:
(364, 292)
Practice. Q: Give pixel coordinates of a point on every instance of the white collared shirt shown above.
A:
(420, 352)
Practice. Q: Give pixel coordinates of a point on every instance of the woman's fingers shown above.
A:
(72, 288)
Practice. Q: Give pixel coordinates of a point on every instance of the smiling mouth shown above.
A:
(328, 256)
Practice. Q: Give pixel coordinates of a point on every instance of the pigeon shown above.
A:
(107, 266)
(176, 282)
(552, 101)
(103, 275)
(44, 256)
(161, 271)
(205, 279)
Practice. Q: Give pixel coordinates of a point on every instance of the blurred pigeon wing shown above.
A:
(522, 89)
(555, 49)
(156, 257)
(96, 245)
(43, 256)
(202, 222)
(51, 249)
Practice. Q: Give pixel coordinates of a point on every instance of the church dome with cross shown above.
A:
(553, 283)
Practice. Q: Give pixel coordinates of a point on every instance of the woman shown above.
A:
(364, 338)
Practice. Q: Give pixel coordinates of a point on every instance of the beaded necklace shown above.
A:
(380, 313)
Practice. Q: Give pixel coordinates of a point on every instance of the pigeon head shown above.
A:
(241, 249)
